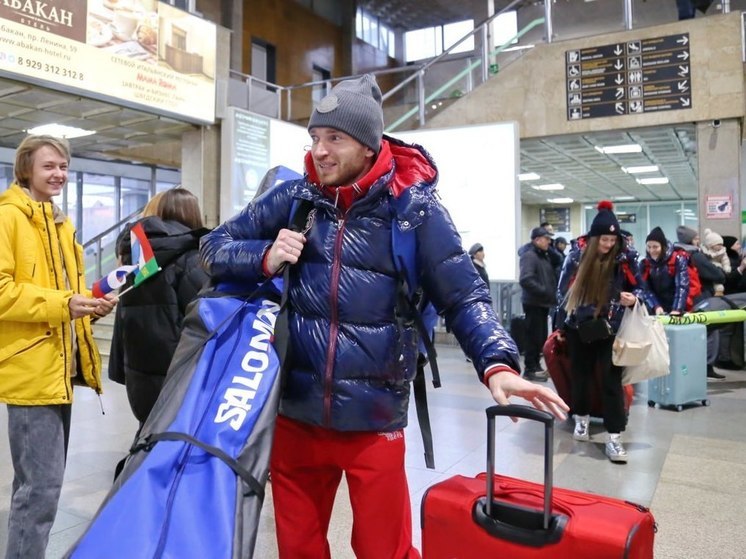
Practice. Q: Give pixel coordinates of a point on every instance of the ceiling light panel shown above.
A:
(653, 180)
(552, 186)
(640, 169)
(621, 148)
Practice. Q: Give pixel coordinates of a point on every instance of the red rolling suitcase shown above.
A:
(558, 366)
(526, 520)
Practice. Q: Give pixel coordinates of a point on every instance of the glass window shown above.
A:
(690, 215)
(68, 201)
(366, 27)
(504, 28)
(135, 194)
(455, 31)
(372, 36)
(422, 43)
(6, 176)
(160, 186)
(667, 217)
(383, 38)
(98, 204)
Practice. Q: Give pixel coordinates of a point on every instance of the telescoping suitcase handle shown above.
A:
(513, 522)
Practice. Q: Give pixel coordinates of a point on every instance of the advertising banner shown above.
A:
(140, 53)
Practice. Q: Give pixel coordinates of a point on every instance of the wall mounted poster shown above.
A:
(141, 53)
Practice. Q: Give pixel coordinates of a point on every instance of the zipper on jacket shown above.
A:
(334, 323)
(89, 341)
(65, 356)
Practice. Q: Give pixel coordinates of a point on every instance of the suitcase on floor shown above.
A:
(687, 381)
(525, 520)
(518, 332)
(558, 367)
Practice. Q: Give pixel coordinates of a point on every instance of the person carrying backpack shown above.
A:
(670, 287)
(346, 392)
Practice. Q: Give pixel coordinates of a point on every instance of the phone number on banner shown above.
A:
(50, 68)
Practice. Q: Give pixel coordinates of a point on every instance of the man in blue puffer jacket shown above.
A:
(345, 401)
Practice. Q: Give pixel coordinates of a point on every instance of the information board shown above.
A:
(638, 76)
(559, 218)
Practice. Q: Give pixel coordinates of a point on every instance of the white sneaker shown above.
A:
(582, 432)
(614, 448)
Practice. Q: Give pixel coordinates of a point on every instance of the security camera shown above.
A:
(716, 123)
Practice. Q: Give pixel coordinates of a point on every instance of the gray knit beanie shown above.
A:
(685, 234)
(353, 107)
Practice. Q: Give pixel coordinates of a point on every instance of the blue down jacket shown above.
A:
(626, 278)
(666, 290)
(352, 363)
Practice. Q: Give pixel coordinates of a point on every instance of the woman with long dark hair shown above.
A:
(149, 320)
(598, 279)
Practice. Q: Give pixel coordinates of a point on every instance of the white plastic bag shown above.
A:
(634, 337)
(658, 361)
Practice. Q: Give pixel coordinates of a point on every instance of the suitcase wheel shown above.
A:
(651, 404)
(679, 407)
(705, 402)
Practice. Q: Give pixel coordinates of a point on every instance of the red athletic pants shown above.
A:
(307, 466)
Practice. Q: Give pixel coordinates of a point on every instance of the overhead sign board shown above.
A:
(638, 76)
(140, 53)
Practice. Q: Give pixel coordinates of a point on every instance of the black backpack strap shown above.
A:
(149, 442)
(408, 312)
(419, 386)
(300, 217)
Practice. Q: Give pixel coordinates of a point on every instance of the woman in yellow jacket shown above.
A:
(46, 342)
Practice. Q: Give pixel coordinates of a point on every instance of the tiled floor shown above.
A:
(661, 444)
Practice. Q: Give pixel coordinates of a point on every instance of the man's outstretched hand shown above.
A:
(505, 384)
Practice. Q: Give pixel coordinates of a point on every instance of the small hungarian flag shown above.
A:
(111, 281)
(142, 254)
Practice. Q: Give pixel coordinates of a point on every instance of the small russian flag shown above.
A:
(111, 281)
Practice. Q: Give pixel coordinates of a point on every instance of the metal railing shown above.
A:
(410, 96)
(283, 105)
(95, 247)
(482, 62)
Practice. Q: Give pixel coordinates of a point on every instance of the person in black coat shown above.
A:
(149, 317)
(667, 285)
(477, 258)
(539, 283)
(709, 276)
(735, 282)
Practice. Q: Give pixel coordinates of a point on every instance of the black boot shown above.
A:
(711, 373)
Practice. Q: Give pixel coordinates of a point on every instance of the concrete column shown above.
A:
(200, 169)
(719, 161)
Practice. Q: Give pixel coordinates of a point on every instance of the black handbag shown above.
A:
(594, 330)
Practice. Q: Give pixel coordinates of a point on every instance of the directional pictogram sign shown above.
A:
(637, 76)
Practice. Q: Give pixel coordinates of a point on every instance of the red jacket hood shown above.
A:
(410, 163)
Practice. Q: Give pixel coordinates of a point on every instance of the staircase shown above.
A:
(103, 329)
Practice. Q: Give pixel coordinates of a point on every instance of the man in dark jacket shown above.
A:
(539, 284)
(346, 396)
(477, 258)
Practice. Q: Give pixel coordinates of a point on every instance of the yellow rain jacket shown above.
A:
(36, 345)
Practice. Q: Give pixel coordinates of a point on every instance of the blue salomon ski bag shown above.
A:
(193, 485)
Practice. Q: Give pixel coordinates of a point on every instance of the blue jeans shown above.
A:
(38, 438)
